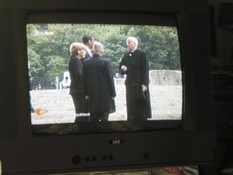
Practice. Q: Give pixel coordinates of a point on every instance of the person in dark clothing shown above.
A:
(88, 41)
(78, 52)
(135, 65)
(99, 85)
(30, 89)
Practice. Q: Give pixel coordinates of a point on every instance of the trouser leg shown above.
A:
(99, 116)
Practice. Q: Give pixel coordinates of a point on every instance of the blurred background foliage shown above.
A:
(48, 47)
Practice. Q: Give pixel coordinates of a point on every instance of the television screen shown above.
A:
(51, 76)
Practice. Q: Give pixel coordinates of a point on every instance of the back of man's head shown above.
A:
(98, 48)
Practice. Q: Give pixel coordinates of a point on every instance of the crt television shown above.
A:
(174, 35)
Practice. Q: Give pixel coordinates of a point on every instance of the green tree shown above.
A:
(48, 46)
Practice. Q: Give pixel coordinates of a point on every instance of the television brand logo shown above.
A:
(116, 142)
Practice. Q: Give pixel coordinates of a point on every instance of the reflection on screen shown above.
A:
(48, 58)
(170, 170)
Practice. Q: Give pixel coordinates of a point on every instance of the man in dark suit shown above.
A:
(135, 65)
(88, 41)
(99, 85)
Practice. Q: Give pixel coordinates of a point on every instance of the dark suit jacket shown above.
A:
(137, 67)
(98, 83)
(75, 69)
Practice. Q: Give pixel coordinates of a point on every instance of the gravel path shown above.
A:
(166, 103)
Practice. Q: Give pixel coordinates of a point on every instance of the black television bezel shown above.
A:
(190, 144)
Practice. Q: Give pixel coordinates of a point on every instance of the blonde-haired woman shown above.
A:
(78, 53)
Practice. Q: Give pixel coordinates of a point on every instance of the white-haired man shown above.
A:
(135, 65)
(99, 85)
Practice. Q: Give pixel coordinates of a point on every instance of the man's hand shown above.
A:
(123, 68)
(144, 88)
